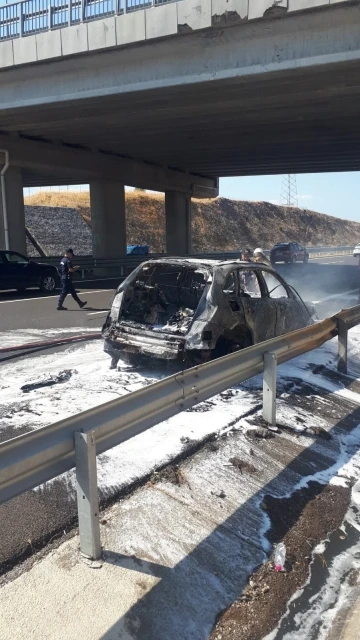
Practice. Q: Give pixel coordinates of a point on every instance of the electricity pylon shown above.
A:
(288, 195)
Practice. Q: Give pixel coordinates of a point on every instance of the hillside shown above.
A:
(219, 224)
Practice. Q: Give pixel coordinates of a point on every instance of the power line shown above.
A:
(288, 196)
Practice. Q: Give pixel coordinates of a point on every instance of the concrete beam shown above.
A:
(108, 223)
(15, 211)
(178, 223)
(158, 22)
(304, 39)
(93, 165)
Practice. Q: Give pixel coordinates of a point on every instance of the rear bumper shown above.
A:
(146, 343)
(280, 258)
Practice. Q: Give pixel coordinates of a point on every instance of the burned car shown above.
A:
(195, 310)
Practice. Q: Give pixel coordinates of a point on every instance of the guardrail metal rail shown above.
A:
(93, 267)
(39, 456)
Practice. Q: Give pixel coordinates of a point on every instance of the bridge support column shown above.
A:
(15, 210)
(107, 201)
(178, 223)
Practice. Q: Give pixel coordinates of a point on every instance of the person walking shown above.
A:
(66, 269)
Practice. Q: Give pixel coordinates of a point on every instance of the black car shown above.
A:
(18, 272)
(289, 252)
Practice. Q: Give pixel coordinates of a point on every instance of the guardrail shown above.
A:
(39, 456)
(96, 267)
(27, 17)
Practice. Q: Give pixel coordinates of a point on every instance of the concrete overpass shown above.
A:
(173, 96)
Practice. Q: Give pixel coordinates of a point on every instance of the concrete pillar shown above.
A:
(107, 200)
(178, 223)
(15, 210)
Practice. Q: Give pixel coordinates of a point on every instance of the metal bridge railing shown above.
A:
(34, 16)
(43, 454)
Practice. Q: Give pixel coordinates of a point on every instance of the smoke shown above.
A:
(331, 287)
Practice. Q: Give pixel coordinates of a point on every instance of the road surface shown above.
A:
(181, 548)
(317, 280)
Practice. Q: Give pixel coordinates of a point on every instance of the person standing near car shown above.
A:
(259, 256)
(66, 269)
(246, 255)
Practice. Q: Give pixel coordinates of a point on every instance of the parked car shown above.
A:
(356, 252)
(195, 310)
(18, 272)
(288, 252)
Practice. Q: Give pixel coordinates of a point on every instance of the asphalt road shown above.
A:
(34, 310)
(314, 281)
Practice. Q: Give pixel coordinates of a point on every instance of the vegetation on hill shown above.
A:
(218, 225)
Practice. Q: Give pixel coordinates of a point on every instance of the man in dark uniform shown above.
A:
(66, 269)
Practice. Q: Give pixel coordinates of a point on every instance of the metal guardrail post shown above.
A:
(87, 494)
(21, 20)
(269, 388)
(342, 345)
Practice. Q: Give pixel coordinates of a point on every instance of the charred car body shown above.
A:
(195, 310)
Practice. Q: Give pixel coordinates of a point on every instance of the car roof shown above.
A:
(207, 263)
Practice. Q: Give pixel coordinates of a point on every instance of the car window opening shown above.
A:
(275, 287)
(164, 297)
(249, 284)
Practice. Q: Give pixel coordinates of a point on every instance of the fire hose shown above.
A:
(51, 343)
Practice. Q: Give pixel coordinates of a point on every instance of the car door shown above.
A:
(293, 251)
(300, 253)
(3, 278)
(17, 268)
(259, 309)
(290, 313)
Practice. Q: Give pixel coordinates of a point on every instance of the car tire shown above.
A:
(48, 282)
(225, 346)
(132, 359)
(196, 357)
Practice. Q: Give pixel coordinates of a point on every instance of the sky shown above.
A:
(337, 194)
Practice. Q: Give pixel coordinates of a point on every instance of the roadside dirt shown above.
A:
(301, 522)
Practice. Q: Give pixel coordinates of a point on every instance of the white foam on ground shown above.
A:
(93, 383)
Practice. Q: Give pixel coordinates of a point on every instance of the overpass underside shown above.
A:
(280, 94)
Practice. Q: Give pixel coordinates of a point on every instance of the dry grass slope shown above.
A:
(218, 225)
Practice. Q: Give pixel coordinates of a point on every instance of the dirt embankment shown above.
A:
(302, 522)
(218, 225)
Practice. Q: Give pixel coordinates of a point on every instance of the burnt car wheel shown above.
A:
(47, 282)
(133, 359)
(195, 357)
(225, 346)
